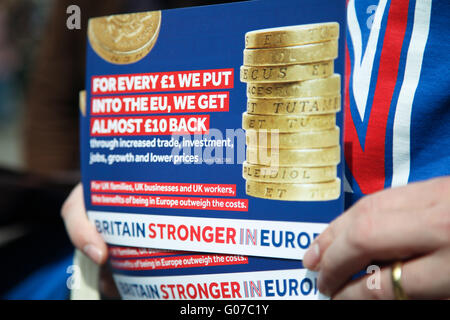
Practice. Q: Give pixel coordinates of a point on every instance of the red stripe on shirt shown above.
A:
(368, 165)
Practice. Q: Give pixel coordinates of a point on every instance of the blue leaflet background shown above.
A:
(212, 37)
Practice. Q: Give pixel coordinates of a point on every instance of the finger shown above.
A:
(382, 236)
(426, 277)
(380, 201)
(401, 198)
(312, 256)
(81, 231)
(377, 286)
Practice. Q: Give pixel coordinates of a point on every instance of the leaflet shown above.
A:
(215, 129)
(151, 274)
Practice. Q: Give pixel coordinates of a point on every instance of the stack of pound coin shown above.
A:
(293, 96)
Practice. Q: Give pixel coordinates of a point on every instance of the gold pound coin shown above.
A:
(296, 72)
(303, 158)
(307, 53)
(308, 88)
(291, 35)
(294, 192)
(82, 102)
(289, 123)
(124, 38)
(299, 106)
(288, 174)
(292, 140)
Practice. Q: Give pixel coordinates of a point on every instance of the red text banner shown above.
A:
(161, 103)
(189, 261)
(169, 202)
(157, 125)
(190, 189)
(131, 252)
(163, 81)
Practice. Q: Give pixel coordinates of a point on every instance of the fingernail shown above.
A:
(312, 257)
(93, 252)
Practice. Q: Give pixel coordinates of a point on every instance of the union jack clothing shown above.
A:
(397, 107)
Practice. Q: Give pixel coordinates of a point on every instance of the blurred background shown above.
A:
(41, 73)
(20, 28)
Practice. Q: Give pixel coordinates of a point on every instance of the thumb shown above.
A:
(81, 231)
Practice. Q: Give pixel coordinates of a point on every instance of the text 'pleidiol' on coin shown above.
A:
(291, 35)
(292, 157)
(294, 192)
(288, 174)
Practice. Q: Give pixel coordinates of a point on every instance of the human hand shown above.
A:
(85, 237)
(410, 223)
(81, 231)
